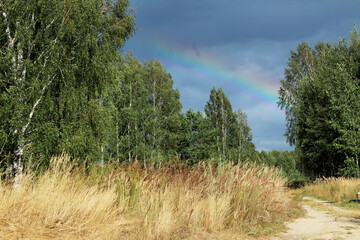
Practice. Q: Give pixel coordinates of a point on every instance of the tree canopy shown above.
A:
(56, 59)
(65, 85)
(320, 95)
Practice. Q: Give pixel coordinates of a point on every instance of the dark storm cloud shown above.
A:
(246, 36)
(209, 22)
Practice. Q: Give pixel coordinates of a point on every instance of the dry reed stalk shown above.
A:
(58, 205)
(334, 189)
(129, 202)
(238, 198)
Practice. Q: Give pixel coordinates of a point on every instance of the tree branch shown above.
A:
(7, 30)
(24, 128)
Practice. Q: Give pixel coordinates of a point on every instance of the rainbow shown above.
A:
(200, 71)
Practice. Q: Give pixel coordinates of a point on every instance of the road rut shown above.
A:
(321, 225)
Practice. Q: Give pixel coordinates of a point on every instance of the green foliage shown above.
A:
(350, 168)
(320, 95)
(287, 161)
(145, 109)
(232, 138)
(56, 58)
(197, 138)
(64, 86)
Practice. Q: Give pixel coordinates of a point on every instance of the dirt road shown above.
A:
(321, 225)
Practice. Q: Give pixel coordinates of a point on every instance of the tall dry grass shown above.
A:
(71, 202)
(334, 189)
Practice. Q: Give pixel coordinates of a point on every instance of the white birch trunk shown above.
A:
(117, 142)
(240, 144)
(19, 154)
(155, 119)
(18, 164)
(223, 130)
(144, 147)
(16, 46)
(129, 126)
(217, 137)
(102, 154)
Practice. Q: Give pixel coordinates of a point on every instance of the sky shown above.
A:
(242, 46)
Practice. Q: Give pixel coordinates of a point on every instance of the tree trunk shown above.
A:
(102, 153)
(217, 137)
(128, 126)
(19, 162)
(117, 142)
(144, 146)
(223, 130)
(155, 119)
(240, 143)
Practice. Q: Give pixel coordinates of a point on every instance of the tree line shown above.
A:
(65, 86)
(148, 124)
(321, 97)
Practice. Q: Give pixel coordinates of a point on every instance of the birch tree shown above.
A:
(56, 58)
(242, 136)
(146, 112)
(320, 95)
(219, 110)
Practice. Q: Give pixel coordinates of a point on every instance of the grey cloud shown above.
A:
(255, 35)
(214, 22)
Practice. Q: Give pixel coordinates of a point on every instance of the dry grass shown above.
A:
(338, 191)
(67, 202)
(334, 189)
(330, 208)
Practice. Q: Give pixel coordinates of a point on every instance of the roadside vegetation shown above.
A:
(152, 170)
(341, 191)
(71, 201)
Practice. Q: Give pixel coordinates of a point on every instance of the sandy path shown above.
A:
(321, 225)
